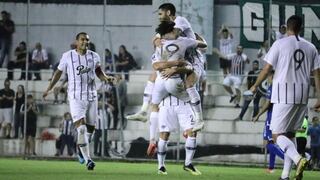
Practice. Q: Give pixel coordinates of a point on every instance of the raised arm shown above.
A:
(55, 79)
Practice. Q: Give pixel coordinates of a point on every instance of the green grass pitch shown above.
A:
(18, 169)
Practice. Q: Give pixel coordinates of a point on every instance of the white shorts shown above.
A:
(84, 109)
(6, 116)
(172, 116)
(230, 80)
(287, 117)
(163, 87)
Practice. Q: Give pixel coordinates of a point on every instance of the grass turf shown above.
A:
(59, 170)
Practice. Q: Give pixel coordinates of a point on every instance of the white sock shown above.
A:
(153, 125)
(195, 102)
(83, 142)
(289, 148)
(162, 150)
(190, 147)
(148, 91)
(89, 137)
(287, 163)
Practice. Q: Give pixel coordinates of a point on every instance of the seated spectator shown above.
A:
(19, 100)
(20, 61)
(67, 136)
(125, 62)
(108, 60)
(6, 108)
(314, 133)
(32, 111)
(39, 60)
(281, 33)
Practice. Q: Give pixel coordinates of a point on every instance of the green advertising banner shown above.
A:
(255, 19)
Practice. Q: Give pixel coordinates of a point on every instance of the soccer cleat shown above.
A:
(232, 98)
(287, 178)
(302, 164)
(139, 116)
(152, 149)
(270, 171)
(90, 165)
(190, 168)
(80, 156)
(162, 171)
(198, 126)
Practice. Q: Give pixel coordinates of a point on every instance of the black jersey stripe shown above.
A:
(87, 77)
(74, 77)
(80, 74)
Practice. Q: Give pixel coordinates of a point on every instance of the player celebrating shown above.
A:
(293, 58)
(174, 112)
(182, 27)
(81, 66)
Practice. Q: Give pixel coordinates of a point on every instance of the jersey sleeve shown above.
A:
(156, 57)
(192, 43)
(182, 24)
(273, 54)
(63, 63)
(316, 64)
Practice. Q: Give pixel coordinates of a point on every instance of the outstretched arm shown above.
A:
(262, 76)
(102, 76)
(53, 82)
(161, 65)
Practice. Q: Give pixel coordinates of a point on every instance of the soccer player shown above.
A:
(81, 66)
(292, 58)
(167, 13)
(174, 112)
(272, 148)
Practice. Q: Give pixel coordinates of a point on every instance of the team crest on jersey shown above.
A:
(82, 69)
(172, 48)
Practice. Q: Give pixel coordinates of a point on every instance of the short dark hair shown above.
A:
(81, 33)
(255, 62)
(294, 23)
(225, 30)
(168, 7)
(4, 12)
(165, 27)
(29, 96)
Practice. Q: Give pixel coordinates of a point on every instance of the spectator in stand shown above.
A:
(251, 79)
(39, 60)
(125, 62)
(108, 60)
(18, 119)
(100, 123)
(32, 113)
(6, 30)
(122, 89)
(281, 33)
(314, 133)
(235, 77)
(6, 108)
(67, 136)
(92, 46)
(20, 62)
(262, 52)
(110, 104)
(225, 47)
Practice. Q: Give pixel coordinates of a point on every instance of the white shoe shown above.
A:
(198, 126)
(139, 116)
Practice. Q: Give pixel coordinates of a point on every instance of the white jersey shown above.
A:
(226, 45)
(172, 101)
(80, 70)
(293, 58)
(184, 25)
(237, 63)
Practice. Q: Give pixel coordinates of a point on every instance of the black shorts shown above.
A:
(31, 131)
(224, 63)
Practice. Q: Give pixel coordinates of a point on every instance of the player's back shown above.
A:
(293, 59)
(175, 49)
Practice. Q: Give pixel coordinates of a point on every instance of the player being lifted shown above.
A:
(81, 66)
(182, 27)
